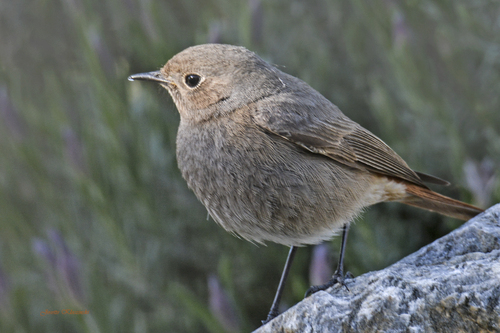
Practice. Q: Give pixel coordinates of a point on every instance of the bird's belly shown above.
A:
(265, 189)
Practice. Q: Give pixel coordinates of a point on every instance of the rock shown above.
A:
(451, 285)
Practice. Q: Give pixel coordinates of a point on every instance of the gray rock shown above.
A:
(451, 285)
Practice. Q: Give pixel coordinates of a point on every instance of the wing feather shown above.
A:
(316, 124)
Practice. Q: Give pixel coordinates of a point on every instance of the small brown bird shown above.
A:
(273, 160)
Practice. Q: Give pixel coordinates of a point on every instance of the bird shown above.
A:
(273, 160)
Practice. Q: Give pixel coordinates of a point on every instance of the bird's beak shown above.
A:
(156, 76)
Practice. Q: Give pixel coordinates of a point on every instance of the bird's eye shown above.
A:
(192, 80)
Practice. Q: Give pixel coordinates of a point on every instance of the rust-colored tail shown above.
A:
(424, 198)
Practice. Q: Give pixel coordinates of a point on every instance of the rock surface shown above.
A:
(451, 285)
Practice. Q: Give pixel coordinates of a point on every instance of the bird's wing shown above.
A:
(320, 127)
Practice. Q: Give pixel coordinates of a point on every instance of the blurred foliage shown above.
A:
(94, 213)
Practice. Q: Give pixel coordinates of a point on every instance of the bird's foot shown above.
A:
(270, 316)
(338, 277)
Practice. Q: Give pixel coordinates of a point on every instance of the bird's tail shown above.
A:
(424, 198)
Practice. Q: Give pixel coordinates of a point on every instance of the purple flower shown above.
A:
(320, 270)
(221, 306)
(64, 267)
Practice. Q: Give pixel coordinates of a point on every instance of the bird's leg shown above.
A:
(338, 276)
(274, 312)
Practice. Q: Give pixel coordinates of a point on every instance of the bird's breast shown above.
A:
(264, 188)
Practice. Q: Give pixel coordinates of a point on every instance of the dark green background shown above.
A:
(93, 212)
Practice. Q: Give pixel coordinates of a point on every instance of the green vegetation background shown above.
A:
(93, 212)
